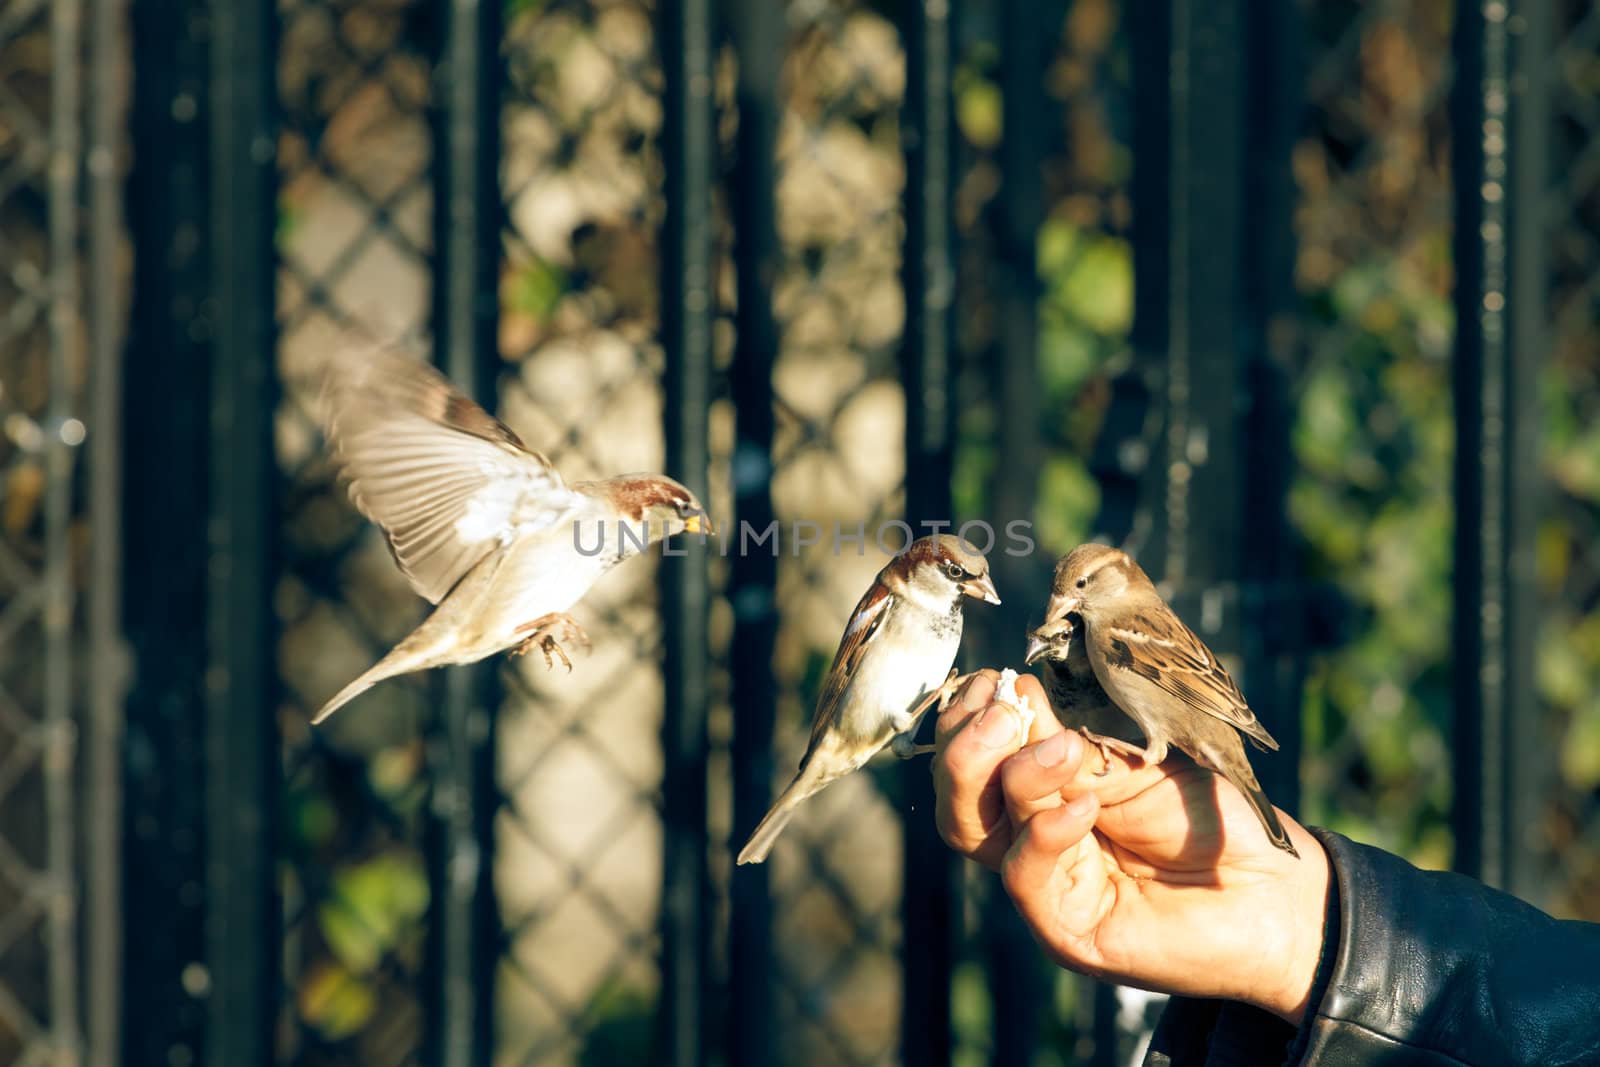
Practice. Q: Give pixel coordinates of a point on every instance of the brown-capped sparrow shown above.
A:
(1160, 673)
(1077, 698)
(892, 665)
(480, 524)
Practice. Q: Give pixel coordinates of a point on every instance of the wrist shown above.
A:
(1310, 944)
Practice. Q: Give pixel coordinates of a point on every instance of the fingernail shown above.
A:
(976, 694)
(1051, 750)
(998, 727)
(1081, 805)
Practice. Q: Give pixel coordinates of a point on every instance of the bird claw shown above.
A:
(541, 635)
(946, 692)
(548, 645)
(904, 742)
(906, 748)
(1107, 745)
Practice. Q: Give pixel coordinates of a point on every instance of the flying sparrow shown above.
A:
(1160, 673)
(1076, 696)
(893, 664)
(480, 524)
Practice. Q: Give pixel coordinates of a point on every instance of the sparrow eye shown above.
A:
(954, 571)
(1083, 583)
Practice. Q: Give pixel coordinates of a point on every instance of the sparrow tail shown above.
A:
(387, 667)
(766, 833)
(1264, 811)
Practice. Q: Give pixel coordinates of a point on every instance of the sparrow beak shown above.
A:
(1061, 605)
(699, 523)
(1036, 648)
(981, 588)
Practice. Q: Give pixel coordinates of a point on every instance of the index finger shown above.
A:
(975, 737)
(973, 696)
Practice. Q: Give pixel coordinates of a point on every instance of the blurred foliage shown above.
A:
(371, 903)
(1082, 264)
(622, 1026)
(1568, 561)
(1374, 434)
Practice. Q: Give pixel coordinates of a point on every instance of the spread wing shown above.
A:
(864, 622)
(445, 480)
(1157, 646)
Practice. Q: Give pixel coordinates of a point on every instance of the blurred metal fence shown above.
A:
(829, 263)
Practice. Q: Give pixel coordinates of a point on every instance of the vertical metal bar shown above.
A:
(107, 682)
(1500, 115)
(1153, 211)
(1274, 607)
(928, 898)
(1021, 982)
(1190, 216)
(758, 40)
(1213, 131)
(1139, 397)
(242, 914)
(164, 457)
(64, 434)
(689, 148)
(464, 931)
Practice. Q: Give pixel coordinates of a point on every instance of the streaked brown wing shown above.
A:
(1163, 650)
(445, 480)
(864, 622)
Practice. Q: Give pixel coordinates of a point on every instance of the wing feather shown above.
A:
(1167, 653)
(446, 481)
(869, 614)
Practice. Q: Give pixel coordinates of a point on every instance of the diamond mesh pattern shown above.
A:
(42, 531)
(838, 457)
(577, 869)
(578, 865)
(353, 238)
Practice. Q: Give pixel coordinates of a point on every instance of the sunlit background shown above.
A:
(117, 802)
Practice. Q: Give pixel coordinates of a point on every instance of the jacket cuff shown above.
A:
(1440, 969)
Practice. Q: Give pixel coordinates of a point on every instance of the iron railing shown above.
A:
(825, 263)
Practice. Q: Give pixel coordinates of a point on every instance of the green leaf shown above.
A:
(536, 289)
(373, 905)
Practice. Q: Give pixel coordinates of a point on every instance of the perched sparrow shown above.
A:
(893, 663)
(1154, 668)
(481, 525)
(1076, 696)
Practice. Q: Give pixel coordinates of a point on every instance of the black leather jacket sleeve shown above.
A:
(1419, 967)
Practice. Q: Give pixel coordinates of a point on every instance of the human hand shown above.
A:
(1157, 877)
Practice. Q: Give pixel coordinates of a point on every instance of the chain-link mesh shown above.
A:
(354, 237)
(1373, 434)
(578, 843)
(1569, 535)
(1046, 304)
(838, 463)
(43, 530)
(578, 865)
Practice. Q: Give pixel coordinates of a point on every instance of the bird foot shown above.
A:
(542, 635)
(1107, 745)
(905, 724)
(904, 747)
